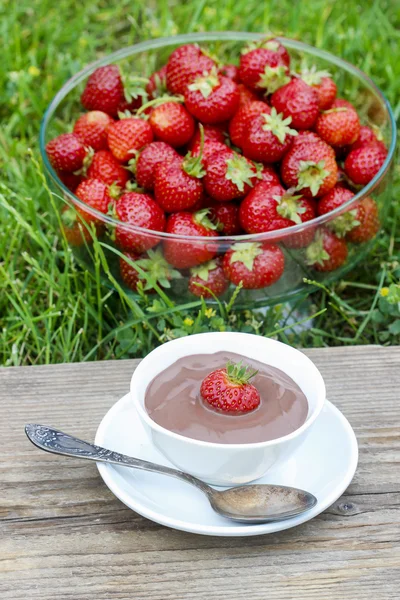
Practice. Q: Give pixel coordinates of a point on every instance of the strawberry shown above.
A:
(347, 221)
(361, 165)
(229, 176)
(268, 208)
(323, 84)
(210, 148)
(209, 275)
(338, 126)
(96, 195)
(66, 152)
(342, 103)
(128, 135)
(231, 71)
(185, 253)
(73, 227)
(70, 180)
(177, 184)
(138, 210)
(152, 155)
(369, 222)
(229, 390)
(226, 216)
(91, 128)
(211, 98)
(243, 117)
(157, 85)
(265, 68)
(305, 136)
(104, 90)
(184, 65)
(268, 137)
(366, 136)
(172, 123)
(255, 265)
(246, 95)
(269, 175)
(153, 265)
(214, 133)
(104, 166)
(327, 252)
(311, 168)
(299, 101)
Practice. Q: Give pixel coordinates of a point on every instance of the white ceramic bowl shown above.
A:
(228, 464)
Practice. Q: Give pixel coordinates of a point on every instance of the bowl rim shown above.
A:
(278, 235)
(319, 383)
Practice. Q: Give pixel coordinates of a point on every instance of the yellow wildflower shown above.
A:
(210, 312)
(34, 71)
(384, 292)
(188, 321)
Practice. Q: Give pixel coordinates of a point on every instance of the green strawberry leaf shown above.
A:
(239, 171)
(279, 126)
(246, 253)
(311, 175)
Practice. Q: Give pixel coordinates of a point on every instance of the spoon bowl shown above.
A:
(250, 503)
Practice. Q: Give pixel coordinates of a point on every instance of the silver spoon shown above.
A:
(248, 503)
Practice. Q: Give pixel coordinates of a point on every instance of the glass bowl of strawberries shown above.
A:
(213, 163)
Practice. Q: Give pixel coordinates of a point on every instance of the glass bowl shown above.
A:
(144, 58)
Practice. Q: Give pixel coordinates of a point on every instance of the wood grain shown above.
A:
(64, 535)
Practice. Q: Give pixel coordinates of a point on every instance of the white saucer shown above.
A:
(324, 465)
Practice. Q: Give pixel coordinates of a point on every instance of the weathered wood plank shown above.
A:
(63, 533)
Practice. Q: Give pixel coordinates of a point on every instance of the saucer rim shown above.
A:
(106, 473)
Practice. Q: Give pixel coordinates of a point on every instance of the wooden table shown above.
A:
(64, 535)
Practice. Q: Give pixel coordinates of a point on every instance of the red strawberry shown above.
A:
(323, 84)
(172, 123)
(226, 215)
(243, 117)
(214, 133)
(177, 184)
(128, 135)
(96, 195)
(155, 267)
(229, 391)
(366, 136)
(268, 208)
(246, 95)
(327, 252)
(342, 103)
(186, 253)
(157, 85)
(305, 136)
(138, 210)
(269, 175)
(73, 227)
(212, 98)
(184, 65)
(256, 265)
(210, 148)
(209, 275)
(362, 164)
(311, 168)
(347, 221)
(104, 90)
(66, 152)
(231, 71)
(70, 180)
(91, 128)
(265, 68)
(229, 176)
(369, 222)
(267, 137)
(338, 126)
(299, 101)
(104, 166)
(152, 155)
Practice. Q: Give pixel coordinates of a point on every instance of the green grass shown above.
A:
(51, 310)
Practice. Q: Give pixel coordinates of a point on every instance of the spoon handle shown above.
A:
(58, 442)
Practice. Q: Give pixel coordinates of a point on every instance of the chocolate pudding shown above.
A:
(173, 400)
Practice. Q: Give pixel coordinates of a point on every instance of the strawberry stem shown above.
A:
(157, 102)
(193, 165)
(238, 373)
